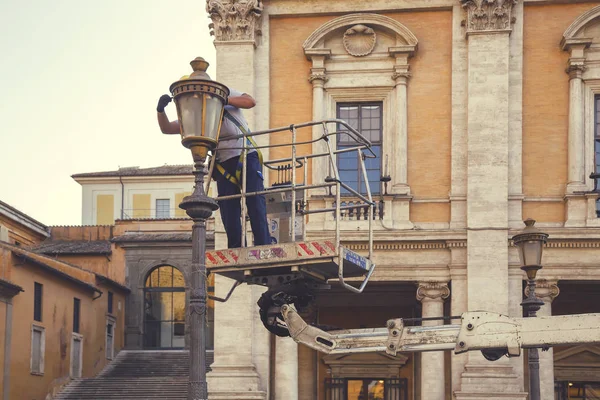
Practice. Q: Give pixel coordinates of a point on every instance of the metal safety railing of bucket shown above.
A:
(286, 168)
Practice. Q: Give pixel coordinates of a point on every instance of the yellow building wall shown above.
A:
(141, 206)
(429, 99)
(546, 107)
(179, 212)
(105, 209)
(2, 333)
(57, 319)
(19, 233)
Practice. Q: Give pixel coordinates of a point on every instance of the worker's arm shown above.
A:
(243, 101)
(166, 126)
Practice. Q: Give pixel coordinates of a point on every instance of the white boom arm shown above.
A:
(478, 330)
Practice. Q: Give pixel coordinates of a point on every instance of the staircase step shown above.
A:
(136, 375)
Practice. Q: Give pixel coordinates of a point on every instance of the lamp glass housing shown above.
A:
(530, 252)
(200, 103)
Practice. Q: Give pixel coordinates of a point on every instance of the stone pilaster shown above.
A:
(488, 28)
(240, 371)
(458, 305)
(547, 290)
(286, 371)
(432, 296)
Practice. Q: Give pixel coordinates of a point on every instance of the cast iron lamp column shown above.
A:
(200, 103)
(530, 244)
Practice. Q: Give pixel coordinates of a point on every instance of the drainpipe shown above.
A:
(122, 195)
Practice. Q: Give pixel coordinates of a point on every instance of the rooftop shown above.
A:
(73, 247)
(165, 170)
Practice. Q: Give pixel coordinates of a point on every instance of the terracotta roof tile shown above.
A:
(74, 247)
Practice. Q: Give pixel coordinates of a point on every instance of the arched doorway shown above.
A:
(164, 309)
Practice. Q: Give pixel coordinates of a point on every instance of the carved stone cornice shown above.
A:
(234, 20)
(432, 291)
(488, 15)
(546, 290)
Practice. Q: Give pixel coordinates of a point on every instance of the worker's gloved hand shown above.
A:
(162, 102)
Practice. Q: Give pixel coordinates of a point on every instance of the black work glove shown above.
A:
(162, 102)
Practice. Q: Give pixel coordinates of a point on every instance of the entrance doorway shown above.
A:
(164, 309)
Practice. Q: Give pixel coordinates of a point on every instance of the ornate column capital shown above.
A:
(318, 78)
(576, 68)
(547, 290)
(432, 291)
(488, 15)
(234, 20)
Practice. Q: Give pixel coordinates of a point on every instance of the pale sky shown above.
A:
(79, 83)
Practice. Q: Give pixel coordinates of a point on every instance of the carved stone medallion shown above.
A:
(359, 40)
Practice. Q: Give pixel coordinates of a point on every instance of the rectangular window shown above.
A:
(367, 119)
(110, 302)
(163, 208)
(76, 314)
(37, 301)
(110, 343)
(38, 346)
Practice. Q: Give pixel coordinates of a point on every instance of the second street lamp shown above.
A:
(530, 244)
(200, 103)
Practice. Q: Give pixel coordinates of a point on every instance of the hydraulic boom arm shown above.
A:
(494, 334)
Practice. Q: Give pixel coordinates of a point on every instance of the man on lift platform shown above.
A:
(227, 171)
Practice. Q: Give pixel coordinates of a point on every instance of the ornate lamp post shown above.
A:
(530, 244)
(200, 103)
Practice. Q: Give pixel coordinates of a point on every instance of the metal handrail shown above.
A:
(363, 149)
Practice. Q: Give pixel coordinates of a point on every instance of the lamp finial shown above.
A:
(529, 222)
(199, 65)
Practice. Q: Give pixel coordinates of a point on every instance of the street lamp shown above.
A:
(200, 103)
(530, 244)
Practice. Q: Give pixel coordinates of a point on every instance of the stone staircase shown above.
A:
(136, 375)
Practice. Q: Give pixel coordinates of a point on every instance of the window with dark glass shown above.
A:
(597, 147)
(37, 301)
(110, 302)
(564, 390)
(367, 119)
(366, 389)
(76, 314)
(163, 208)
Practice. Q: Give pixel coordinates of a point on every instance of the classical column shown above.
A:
(547, 290)
(433, 383)
(488, 29)
(240, 370)
(576, 122)
(318, 78)
(286, 370)
(398, 152)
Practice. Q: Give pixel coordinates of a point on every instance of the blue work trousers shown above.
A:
(231, 210)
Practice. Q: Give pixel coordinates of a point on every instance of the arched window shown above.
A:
(164, 309)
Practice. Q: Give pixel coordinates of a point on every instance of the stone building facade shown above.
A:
(486, 114)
